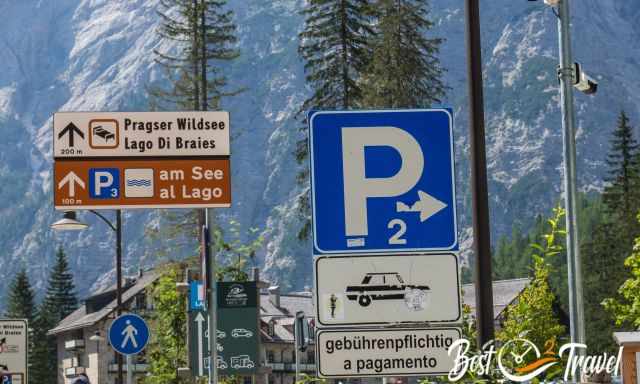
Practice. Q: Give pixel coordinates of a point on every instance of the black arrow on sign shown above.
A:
(71, 129)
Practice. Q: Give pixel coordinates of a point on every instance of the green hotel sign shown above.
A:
(237, 335)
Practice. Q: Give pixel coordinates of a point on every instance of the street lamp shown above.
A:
(69, 222)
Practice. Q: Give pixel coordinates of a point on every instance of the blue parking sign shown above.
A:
(104, 183)
(382, 181)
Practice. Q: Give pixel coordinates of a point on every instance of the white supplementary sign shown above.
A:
(140, 134)
(368, 290)
(385, 352)
(13, 349)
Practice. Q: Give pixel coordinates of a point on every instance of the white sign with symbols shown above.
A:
(13, 349)
(385, 352)
(140, 134)
(376, 290)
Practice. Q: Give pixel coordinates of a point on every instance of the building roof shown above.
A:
(289, 305)
(627, 337)
(504, 292)
(81, 319)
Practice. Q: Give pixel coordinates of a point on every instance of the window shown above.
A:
(272, 379)
(311, 357)
(247, 380)
(271, 358)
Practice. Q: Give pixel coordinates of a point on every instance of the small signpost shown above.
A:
(237, 331)
(385, 352)
(387, 289)
(14, 349)
(385, 241)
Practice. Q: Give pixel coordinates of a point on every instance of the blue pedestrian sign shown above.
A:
(128, 334)
(382, 181)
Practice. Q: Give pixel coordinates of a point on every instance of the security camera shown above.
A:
(582, 82)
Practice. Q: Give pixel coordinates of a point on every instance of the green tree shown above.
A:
(405, 70)
(20, 299)
(20, 305)
(167, 347)
(533, 315)
(59, 301)
(335, 46)
(622, 194)
(626, 307)
(236, 251)
(205, 36)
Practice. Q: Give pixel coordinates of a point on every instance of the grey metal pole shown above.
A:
(479, 187)
(129, 369)
(212, 308)
(576, 309)
(296, 343)
(119, 283)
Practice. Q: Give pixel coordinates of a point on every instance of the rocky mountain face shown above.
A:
(96, 55)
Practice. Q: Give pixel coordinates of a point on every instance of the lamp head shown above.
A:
(69, 222)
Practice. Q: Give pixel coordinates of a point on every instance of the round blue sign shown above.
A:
(128, 334)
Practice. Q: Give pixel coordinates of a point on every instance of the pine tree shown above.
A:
(60, 298)
(20, 300)
(335, 45)
(622, 195)
(59, 301)
(20, 305)
(205, 34)
(405, 71)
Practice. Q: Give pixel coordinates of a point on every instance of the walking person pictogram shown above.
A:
(333, 300)
(129, 332)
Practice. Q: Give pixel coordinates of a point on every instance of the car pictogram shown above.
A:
(381, 286)
(241, 332)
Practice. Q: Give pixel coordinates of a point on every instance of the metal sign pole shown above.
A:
(576, 309)
(479, 188)
(129, 370)
(212, 307)
(296, 343)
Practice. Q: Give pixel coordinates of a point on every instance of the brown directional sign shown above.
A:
(143, 183)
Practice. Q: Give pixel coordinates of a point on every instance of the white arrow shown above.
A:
(200, 319)
(427, 205)
(72, 179)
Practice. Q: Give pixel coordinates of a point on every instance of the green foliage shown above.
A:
(611, 241)
(310, 379)
(167, 348)
(59, 301)
(20, 305)
(533, 316)
(236, 251)
(335, 47)
(405, 70)
(20, 300)
(622, 194)
(626, 308)
(205, 34)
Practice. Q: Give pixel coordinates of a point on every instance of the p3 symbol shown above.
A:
(104, 183)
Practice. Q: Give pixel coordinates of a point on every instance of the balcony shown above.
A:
(72, 345)
(275, 366)
(74, 371)
(136, 368)
(291, 367)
